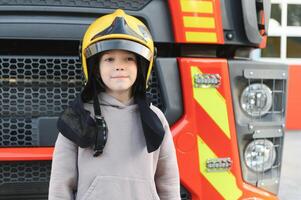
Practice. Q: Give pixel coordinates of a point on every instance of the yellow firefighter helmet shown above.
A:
(117, 31)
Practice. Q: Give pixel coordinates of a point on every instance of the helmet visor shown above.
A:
(127, 45)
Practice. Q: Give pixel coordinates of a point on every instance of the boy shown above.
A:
(112, 144)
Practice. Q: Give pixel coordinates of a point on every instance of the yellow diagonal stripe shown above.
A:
(196, 6)
(200, 37)
(223, 182)
(199, 22)
(213, 103)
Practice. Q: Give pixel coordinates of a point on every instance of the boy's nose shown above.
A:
(119, 68)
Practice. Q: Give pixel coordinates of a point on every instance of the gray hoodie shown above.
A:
(125, 170)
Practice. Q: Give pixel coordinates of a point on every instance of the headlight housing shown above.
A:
(260, 155)
(256, 99)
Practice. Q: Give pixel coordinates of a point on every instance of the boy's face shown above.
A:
(118, 70)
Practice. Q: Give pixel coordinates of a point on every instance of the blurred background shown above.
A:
(284, 45)
(291, 178)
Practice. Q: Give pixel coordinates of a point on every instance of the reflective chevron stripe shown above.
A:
(213, 103)
(223, 182)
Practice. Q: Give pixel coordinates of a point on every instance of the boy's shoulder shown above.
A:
(158, 112)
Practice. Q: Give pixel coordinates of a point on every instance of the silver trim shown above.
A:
(127, 45)
(265, 74)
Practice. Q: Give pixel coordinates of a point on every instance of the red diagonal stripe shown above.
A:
(212, 135)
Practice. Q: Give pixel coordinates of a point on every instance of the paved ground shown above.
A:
(290, 182)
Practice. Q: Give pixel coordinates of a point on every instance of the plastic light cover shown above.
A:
(260, 155)
(256, 99)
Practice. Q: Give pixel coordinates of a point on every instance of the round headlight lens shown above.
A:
(260, 155)
(256, 99)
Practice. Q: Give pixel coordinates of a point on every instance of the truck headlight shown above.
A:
(260, 155)
(256, 99)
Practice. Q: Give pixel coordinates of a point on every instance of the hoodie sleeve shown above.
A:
(63, 179)
(167, 173)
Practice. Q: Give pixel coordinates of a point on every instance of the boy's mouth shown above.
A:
(113, 77)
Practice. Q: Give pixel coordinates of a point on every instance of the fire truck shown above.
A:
(226, 111)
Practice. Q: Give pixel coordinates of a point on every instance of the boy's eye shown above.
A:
(131, 59)
(109, 59)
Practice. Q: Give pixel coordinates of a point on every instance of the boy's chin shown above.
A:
(120, 90)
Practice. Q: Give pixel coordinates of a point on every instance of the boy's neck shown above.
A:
(123, 96)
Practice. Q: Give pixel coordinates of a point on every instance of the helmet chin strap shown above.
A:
(102, 129)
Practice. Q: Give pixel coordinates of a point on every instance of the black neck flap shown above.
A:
(152, 126)
(76, 124)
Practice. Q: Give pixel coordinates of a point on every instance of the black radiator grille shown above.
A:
(41, 86)
(153, 91)
(18, 132)
(185, 195)
(113, 4)
(24, 70)
(35, 101)
(30, 172)
(20, 172)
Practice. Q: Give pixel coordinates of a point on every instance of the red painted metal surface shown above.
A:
(178, 24)
(21, 154)
(294, 98)
(196, 123)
